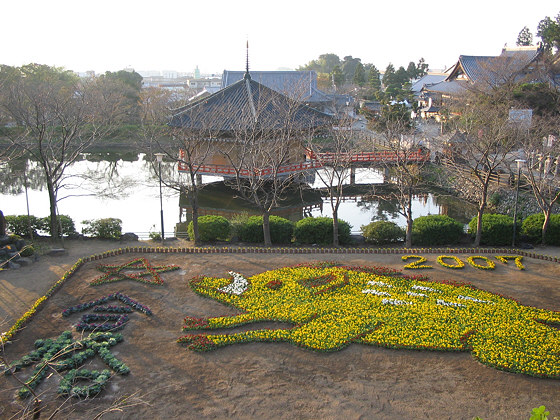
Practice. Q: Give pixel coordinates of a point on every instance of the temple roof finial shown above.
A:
(247, 75)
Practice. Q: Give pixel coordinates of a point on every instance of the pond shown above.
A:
(105, 185)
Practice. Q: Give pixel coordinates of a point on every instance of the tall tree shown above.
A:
(333, 156)
(525, 37)
(405, 159)
(337, 77)
(411, 71)
(549, 32)
(421, 68)
(488, 138)
(324, 64)
(58, 116)
(389, 75)
(374, 79)
(359, 75)
(348, 67)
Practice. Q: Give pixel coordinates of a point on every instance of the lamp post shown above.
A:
(520, 163)
(159, 157)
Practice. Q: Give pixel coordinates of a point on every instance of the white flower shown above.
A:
(425, 288)
(444, 303)
(416, 294)
(375, 292)
(378, 283)
(237, 286)
(395, 302)
(474, 299)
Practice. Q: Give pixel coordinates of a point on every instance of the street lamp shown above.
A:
(520, 163)
(159, 157)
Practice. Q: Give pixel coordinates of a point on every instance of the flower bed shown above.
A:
(66, 353)
(382, 310)
(119, 272)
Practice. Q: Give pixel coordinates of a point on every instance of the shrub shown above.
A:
(211, 228)
(109, 228)
(532, 228)
(281, 230)
(497, 229)
(436, 230)
(20, 225)
(319, 230)
(382, 232)
(65, 223)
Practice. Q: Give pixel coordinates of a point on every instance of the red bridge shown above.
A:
(314, 161)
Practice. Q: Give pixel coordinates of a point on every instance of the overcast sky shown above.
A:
(181, 34)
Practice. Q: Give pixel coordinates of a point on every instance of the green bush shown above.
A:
(65, 223)
(319, 230)
(532, 228)
(497, 229)
(281, 230)
(211, 228)
(436, 230)
(109, 228)
(382, 232)
(20, 225)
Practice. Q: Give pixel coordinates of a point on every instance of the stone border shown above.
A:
(288, 250)
(5, 337)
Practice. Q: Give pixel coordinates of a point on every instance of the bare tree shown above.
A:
(332, 158)
(404, 159)
(58, 116)
(488, 140)
(267, 146)
(542, 170)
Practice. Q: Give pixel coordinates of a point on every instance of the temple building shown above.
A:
(242, 112)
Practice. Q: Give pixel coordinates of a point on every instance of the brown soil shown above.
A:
(267, 380)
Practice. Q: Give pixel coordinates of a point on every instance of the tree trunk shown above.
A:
(194, 214)
(545, 225)
(408, 238)
(52, 199)
(336, 242)
(266, 229)
(478, 235)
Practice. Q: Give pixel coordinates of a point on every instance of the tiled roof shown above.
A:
(299, 85)
(426, 80)
(244, 104)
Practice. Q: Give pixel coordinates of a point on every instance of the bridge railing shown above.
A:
(318, 160)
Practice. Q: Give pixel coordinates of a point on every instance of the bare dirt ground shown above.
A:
(267, 380)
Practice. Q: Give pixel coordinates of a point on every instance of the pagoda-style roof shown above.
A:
(512, 60)
(245, 105)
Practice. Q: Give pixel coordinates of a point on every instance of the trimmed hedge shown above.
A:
(319, 230)
(19, 225)
(211, 228)
(109, 228)
(497, 229)
(436, 230)
(281, 230)
(66, 224)
(532, 228)
(382, 232)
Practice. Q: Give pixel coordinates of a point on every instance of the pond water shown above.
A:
(127, 187)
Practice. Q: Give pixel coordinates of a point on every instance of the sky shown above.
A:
(109, 35)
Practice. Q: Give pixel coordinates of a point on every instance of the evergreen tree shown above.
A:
(359, 75)
(421, 68)
(374, 79)
(389, 76)
(549, 32)
(337, 76)
(525, 37)
(411, 70)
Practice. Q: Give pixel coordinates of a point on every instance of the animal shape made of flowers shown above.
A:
(328, 307)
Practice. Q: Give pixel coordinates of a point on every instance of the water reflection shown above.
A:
(126, 186)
